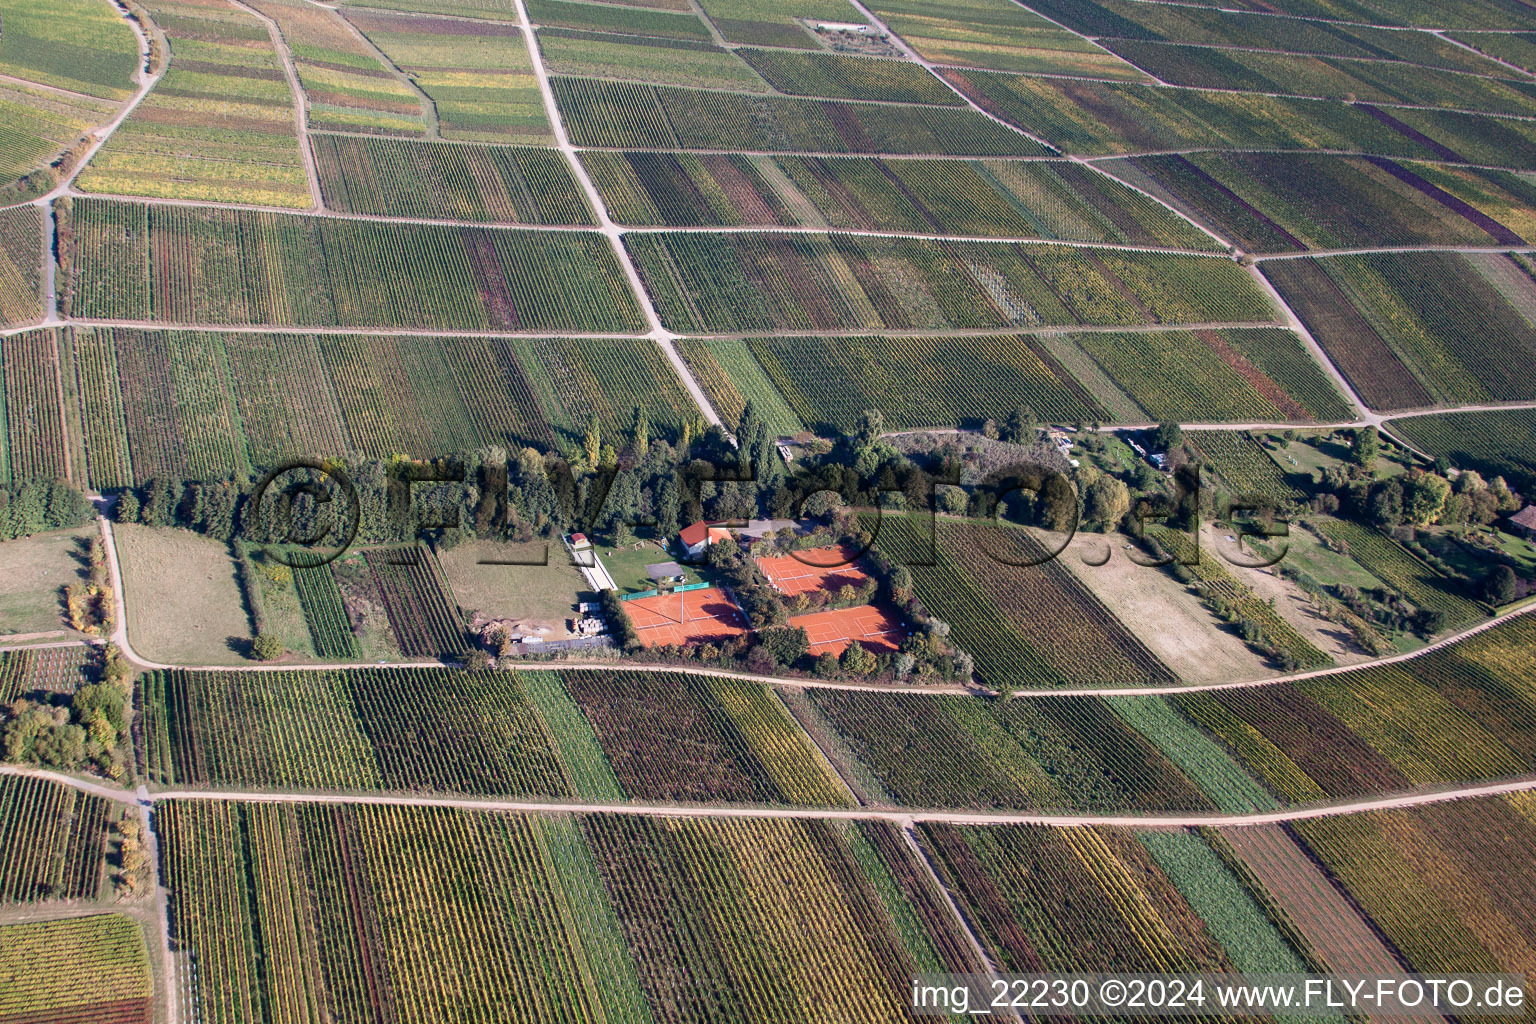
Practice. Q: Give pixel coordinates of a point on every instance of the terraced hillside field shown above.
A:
(346, 85)
(204, 405)
(478, 74)
(220, 126)
(1411, 330)
(703, 283)
(242, 267)
(66, 67)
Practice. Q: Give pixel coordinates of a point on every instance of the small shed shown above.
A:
(1523, 522)
(665, 572)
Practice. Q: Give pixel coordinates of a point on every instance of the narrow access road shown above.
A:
(300, 101)
(121, 639)
(658, 332)
(895, 815)
(928, 66)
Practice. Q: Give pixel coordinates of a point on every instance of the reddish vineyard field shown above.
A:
(1448, 884)
(1271, 202)
(683, 737)
(1411, 330)
(981, 198)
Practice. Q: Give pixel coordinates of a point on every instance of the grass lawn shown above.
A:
(184, 602)
(33, 573)
(1305, 551)
(627, 565)
(1309, 455)
(280, 605)
(544, 594)
(1518, 548)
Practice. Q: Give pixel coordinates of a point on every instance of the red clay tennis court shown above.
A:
(878, 629)
(696, 616)
(792, 576)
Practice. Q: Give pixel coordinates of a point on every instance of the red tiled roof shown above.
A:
(695, 534)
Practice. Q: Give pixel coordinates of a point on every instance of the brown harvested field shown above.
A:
(184, 602)
(533, 595)
(1322, 914)
(33, 573)
(1163, 614)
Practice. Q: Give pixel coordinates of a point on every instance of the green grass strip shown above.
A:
(585, 763)
(1211, 768)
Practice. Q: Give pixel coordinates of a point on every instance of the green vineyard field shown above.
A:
(652, 737)
(825, 384)
(205, 405)
(478, 76)
(400, 178)
(525, 918)
(1402, 571)
(979, 198)
(1493, 443)
(21, 265)
(33, 445)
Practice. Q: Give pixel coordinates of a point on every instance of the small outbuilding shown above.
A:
(1523, 523)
